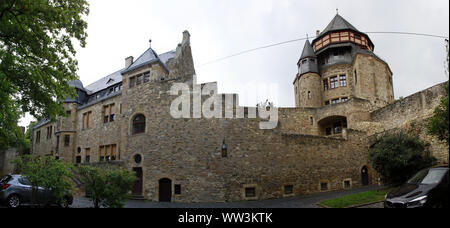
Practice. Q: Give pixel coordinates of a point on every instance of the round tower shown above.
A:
(307, 84)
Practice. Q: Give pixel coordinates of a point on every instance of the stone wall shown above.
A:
(5, 161)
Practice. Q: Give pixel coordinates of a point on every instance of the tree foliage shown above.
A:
(396, 157)
(37, 58)
(107, 186)
(439, 123)
(46, 172)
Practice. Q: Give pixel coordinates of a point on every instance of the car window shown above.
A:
(24, 181)
(5, 179)
(430, 176)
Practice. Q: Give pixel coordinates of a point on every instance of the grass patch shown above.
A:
(361, 198)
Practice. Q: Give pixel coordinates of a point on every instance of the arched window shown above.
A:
(139, 124)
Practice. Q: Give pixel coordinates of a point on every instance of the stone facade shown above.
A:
(306, 153)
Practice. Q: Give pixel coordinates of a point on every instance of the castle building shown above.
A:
(343, 94)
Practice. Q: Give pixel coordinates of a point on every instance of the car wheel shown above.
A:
(13, 201)
(64, 203)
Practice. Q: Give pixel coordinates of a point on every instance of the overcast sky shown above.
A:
(219, 28)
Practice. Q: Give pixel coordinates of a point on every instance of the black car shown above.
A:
(16, 190)
(428, 188)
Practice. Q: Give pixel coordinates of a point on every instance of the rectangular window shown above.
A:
(288, 189)
(337, 128)
(49, 132)
(88, 155)
(333, 82)
(146, 77)
(335, 101)
(101, 153)
(250, 192)
(108, 113)
(328, 131)
(177, 189)
(327, 102)
(113, 152)
(311, 120)
(344, 99)
(132, 82)
(66, 140)
(139, 79)
(356, 77)
(309, 94)
(343, 80)
(38, 136)
(78, 160)
(347, 184)
(108, 153)
(325, 84)
(87, 120)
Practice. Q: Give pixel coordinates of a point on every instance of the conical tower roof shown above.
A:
(338, 23)
(308, 51)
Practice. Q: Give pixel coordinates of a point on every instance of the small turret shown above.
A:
(308, 60)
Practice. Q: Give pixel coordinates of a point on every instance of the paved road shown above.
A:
(307, 201)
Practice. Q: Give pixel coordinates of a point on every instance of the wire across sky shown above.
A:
(305, 38)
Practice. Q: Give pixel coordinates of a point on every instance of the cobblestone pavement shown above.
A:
(307, 201)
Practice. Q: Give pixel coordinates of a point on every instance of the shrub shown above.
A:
(396, 157)
(108, 186)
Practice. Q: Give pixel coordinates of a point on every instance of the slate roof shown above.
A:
(102, 84)
(308, 51)
(150, 56)
(338, 23)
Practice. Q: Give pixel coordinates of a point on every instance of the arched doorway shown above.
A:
(364, 176)
(165, 190)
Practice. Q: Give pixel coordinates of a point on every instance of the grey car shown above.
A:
(16, 190)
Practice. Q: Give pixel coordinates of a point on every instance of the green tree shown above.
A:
(45, 172)
(37, 59)
(396, 157)
(439, 123)
(108, 186)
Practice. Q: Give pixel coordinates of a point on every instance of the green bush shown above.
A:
(108, 186)
(46, 172)
(396, 157)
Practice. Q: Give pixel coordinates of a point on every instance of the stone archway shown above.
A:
(165, 190)
(332, 125)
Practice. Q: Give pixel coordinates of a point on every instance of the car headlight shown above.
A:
(420, 201)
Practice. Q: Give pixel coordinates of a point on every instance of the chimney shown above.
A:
(128, 61)
(317, 33)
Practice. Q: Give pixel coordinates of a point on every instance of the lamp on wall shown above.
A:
(224, 149)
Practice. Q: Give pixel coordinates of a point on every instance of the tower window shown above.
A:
(311, 120)
(343, 80)
(356, 77)
(288, 189)
(325, 84)
(309, 94)
(304, 61)
(344, 99)
(66, 140)
(335, 101)
(334, 82)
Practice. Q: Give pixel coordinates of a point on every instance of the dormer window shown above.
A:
(110, 81)
(304, 61)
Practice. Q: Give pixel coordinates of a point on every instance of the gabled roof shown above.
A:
(308, 51)
(338, 23)
(150, 56)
